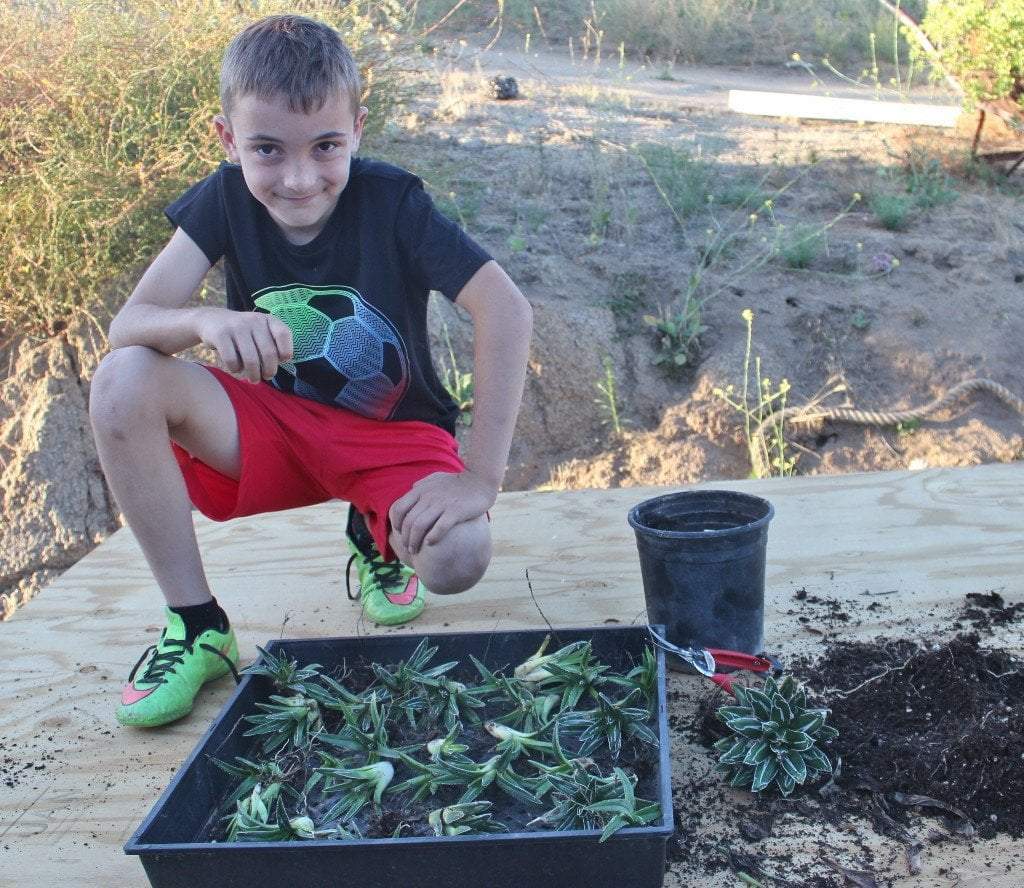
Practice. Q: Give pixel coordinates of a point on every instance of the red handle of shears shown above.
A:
(738, 661)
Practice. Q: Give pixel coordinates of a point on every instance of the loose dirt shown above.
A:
(928, 761)
(552, 184)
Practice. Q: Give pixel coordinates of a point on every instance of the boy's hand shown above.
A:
(437, 503)
(249, 345)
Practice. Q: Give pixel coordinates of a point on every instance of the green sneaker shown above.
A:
(390, 591)
(167, 688)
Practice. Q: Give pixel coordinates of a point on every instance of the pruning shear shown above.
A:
(707, 661)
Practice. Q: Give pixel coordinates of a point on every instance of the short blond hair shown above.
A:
(301, 59)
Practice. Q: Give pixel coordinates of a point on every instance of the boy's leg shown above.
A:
(390, 592)
(454, 563)
(382, 461)
(140, 400)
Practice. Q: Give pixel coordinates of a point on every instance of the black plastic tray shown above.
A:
(174, 854)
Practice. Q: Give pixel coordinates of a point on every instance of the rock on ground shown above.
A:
(55, 502)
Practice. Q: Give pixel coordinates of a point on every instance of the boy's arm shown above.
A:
(154, 314)
(502, 323)
(249, 345)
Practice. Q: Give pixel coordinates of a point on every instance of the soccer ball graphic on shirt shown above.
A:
(345, 351)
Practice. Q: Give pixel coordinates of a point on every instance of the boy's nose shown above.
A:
(299, 179)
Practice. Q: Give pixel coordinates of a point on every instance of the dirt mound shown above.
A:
(931, 737)
(939, 727)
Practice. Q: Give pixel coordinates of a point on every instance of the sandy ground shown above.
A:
(553, 185)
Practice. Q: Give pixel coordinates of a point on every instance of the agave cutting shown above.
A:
(535, 669)
(515, 743)
(365, 732)
(530, 711)
(610, 723)
(775, 737)
(259, 817)
(285, 673)
(448, 747)
(643, 677)
(410, 674)
(356, 787)
(253, 774)
(584, 800)
(450, 702)
(294, 719)
(470, 817)
(497, 770)
(303, 827)
(429, 777)
(570, 671)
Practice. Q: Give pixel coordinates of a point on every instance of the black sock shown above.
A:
(200, 617)
(358, 532)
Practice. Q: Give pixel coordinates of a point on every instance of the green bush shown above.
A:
(800, 245)
(981, 43)
(683, 177)
(892, 210)
(105, 116)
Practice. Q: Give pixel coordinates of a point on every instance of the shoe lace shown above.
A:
(164, 661)
(385, 572)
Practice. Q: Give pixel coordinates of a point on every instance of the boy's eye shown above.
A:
(328, 147)
(265, 150)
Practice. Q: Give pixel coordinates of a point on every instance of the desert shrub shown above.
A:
(892, 210)
(684, 177)
(714, 31)
(927, 181)
(741, 193)
(105, 118)
(981, 43)
(800, 245)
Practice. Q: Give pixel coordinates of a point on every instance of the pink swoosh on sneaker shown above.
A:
(131, 694)
(408, 595)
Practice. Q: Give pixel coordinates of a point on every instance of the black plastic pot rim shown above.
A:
(717, 533)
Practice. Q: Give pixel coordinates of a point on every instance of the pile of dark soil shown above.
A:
(939, 727)
(989, 610)
(934, 727)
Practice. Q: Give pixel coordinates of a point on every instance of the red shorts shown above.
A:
(297, 452)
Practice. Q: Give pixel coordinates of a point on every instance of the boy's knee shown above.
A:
(124, 381)
(459, 561)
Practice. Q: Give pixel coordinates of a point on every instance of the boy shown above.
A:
(329, 390)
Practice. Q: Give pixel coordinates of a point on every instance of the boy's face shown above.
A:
(295, 164)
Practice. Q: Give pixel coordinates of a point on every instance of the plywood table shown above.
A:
(75, 784)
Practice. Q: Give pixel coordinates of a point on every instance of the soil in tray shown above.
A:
(397, 812)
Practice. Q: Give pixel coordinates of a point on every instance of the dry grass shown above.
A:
(705, 31)
(105, 118)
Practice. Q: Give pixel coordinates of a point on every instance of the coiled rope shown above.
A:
(875, 417)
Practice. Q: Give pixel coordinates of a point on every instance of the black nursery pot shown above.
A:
(702, 559)
(173, 844)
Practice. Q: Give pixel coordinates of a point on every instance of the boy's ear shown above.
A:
(357, 128)
(226, 136)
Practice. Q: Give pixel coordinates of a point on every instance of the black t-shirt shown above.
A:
(355, 297)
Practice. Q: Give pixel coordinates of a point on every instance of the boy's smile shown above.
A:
(295, 164)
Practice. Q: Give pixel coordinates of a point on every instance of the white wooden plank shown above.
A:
(776, 104)
(931, 536)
